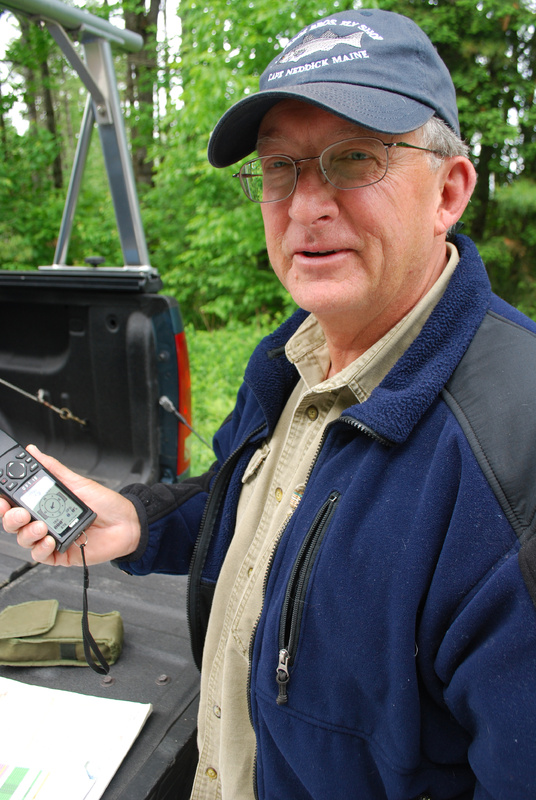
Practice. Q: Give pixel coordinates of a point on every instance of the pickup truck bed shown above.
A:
(155, 665)
(104, 344)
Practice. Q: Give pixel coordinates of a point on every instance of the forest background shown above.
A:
(203, 236)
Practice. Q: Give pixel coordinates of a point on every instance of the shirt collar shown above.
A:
(308, 351)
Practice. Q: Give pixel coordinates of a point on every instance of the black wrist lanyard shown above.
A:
(90, 645)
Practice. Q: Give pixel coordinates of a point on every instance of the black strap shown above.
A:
(90, 645)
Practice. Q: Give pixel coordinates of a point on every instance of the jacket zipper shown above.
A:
(363, 429)
(215, 496)
(293, 603)
(251, 641)
(299, 580)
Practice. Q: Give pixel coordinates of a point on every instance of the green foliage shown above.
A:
(206, 240)
(31, 208)
(211, 252)
(217, 361)
(95, 230)
(511, 269)
(29, 203)
(211, 249)
(490, 49)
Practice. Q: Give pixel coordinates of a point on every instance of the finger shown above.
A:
(4, 506)
(16, 518)
(31, 534)
(50, 463)
(43, 550)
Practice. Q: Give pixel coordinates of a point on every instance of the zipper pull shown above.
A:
(282, 677)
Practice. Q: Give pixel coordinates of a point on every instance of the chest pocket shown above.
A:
(289, 629)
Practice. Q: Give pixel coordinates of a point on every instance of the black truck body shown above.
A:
(86, 355)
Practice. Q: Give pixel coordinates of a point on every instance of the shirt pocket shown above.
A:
(256, 463)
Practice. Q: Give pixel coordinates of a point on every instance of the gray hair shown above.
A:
(436, 135)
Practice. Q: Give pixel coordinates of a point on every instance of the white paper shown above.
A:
(57, 745)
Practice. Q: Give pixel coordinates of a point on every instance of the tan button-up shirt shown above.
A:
(272, 487)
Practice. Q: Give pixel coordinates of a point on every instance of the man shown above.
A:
(362, 555)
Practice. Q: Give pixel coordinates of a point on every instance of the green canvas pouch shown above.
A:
(39, 634)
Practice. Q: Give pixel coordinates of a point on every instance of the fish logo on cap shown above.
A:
(320, 44)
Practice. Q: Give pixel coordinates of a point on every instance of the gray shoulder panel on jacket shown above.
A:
(492, 393)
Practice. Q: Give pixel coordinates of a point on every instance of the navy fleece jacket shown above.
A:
(400, 590)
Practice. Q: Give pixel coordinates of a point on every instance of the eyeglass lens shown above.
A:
(350, 164)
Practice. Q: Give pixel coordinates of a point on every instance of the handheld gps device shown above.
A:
(25, 482)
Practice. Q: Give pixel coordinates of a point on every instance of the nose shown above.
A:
(313, 198)
(304, 161)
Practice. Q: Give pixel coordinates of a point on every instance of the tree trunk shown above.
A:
(50, 119)
(142, 79)
(481, 194)
(3, 137)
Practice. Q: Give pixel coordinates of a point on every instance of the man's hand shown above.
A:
(114, 533)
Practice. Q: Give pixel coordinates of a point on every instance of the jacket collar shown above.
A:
(408, 390)
(416, 380)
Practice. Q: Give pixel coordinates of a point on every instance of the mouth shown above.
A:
(318, 253)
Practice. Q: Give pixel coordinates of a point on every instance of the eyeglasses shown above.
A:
(350, 164)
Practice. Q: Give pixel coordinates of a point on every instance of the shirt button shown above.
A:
(312, 413)
(217, 711)
(250, 572)
(279, 494)
(211, 773)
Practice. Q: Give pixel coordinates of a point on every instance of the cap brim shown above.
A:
(235, 135)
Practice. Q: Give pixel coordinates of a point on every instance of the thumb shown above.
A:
(53, 465)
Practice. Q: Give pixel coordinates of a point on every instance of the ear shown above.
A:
(457, 182)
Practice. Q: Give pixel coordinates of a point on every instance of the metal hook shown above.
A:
(77, 541)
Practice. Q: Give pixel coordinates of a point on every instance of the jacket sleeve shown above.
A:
(169, 516)
(487, 662)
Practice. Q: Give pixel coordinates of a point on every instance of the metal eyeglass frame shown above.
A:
(296, 161)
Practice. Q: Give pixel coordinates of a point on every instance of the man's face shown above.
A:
(360, 258)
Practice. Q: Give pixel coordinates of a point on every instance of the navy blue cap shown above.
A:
(375, 68)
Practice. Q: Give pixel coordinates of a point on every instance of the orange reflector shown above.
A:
(184, 403)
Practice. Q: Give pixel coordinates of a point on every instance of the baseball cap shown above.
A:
(372, 67)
